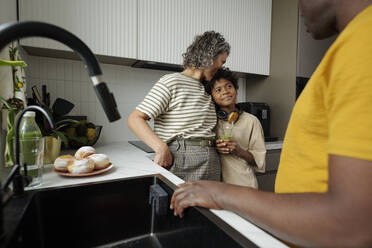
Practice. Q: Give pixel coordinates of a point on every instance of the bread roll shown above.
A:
(101, 161)
(62, 162)
(84, 152)
(84, 165)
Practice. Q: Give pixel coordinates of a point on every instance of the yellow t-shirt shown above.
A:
(333, 115)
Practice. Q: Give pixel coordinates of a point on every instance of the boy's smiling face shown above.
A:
(224, 94)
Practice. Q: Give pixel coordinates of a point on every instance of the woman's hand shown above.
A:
(227, 146)
(163, 157)
(199, 193)
(137, 123)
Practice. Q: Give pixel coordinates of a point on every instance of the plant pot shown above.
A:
(52, 149)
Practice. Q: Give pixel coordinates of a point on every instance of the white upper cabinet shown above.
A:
(167, 27)
(108, 27)
(159, 30)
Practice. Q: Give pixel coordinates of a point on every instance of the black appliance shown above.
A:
(262, 111)
(300, 85)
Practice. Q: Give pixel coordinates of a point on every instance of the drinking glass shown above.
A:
(227, 130)
(32, 153)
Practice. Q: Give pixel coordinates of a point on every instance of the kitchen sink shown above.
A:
(114, 213)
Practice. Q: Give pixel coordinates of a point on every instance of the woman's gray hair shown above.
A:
(205, 48)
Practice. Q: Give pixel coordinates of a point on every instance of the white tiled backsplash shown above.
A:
(69, 79)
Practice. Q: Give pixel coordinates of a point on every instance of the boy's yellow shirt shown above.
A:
(333, 115)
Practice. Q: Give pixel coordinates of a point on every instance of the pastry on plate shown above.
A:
(61, 163)
(80, 166)
(84, 152)
(101, 161)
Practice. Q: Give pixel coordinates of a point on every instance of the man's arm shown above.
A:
(340, 217)
(137, 123)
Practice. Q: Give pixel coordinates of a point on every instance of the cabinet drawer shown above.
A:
(272, 159)
(266, 181)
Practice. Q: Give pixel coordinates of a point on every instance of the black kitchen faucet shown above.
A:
(16, 30)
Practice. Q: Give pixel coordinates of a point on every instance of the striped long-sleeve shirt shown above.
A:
(180, 107)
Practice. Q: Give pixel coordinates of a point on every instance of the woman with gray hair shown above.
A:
(184, 114)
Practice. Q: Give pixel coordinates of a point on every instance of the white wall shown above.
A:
(8, 11)
(68, 79)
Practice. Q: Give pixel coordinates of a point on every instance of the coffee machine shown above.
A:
(262, 111)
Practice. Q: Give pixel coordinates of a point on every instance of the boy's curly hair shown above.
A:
(224, 73)
(205, 48)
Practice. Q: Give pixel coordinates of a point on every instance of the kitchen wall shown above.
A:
(68, 79)
(278, 90)
(310, 51)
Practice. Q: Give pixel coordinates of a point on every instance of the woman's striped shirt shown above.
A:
(180, 107)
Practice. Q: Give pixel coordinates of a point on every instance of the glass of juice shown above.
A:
(227, 130)
(32, 153)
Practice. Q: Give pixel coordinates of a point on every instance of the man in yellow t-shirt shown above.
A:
(324, 183)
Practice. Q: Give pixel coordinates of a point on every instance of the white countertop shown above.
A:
(273, 145)
(130, 161)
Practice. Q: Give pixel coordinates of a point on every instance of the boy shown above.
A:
(243, 153)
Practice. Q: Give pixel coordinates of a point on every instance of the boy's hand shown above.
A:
(227, 146)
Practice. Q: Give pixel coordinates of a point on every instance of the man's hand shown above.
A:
(199, 193)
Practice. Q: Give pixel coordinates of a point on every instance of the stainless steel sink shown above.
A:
(115, 214)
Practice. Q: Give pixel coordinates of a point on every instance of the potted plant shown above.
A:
(53, 140)
(14, 104)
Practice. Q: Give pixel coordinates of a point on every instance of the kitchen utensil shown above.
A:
(39, 118)
(61, 107)
(45, 95)
(37, 96)
(31, 101)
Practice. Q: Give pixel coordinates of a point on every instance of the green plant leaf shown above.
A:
(5, 103)
(12, 63)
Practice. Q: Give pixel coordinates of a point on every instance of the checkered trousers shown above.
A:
(193, 163)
